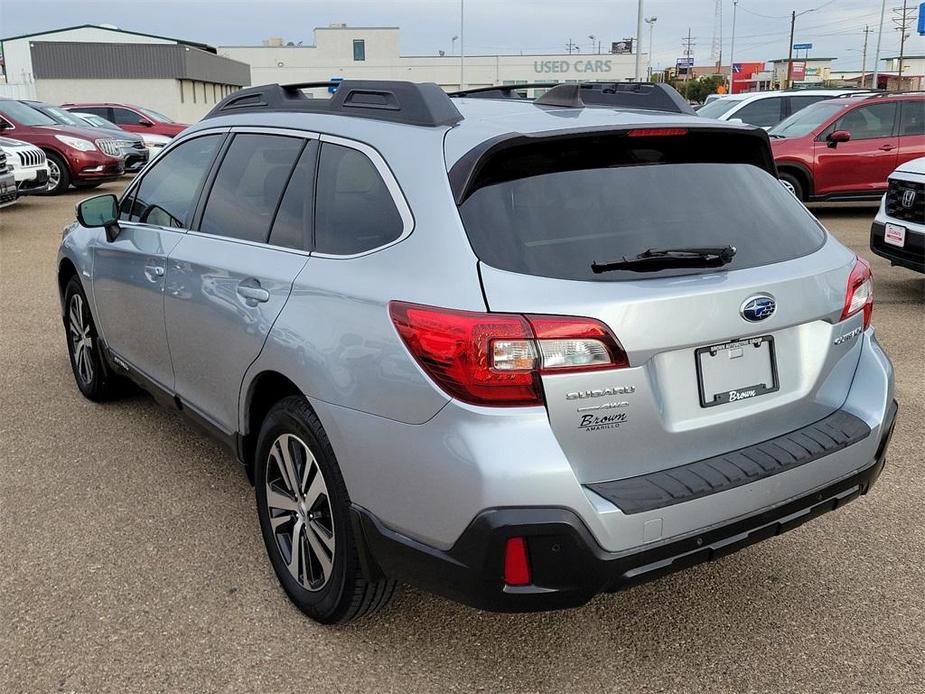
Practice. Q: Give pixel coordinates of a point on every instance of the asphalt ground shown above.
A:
(131, 558)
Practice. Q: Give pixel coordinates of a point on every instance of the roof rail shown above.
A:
(411, 103)
(878, 94)
(648, 96)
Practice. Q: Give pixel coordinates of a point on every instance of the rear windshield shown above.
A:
(715, 109)
(556, 223)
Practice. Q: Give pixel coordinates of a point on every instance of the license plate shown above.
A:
(737, 370)
(894, 235)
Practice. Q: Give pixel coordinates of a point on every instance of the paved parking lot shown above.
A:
(131, 559)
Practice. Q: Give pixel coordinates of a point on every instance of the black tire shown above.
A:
(342, 593)
(56, 162)
(793, 182)
(87, 186)
(92, 374)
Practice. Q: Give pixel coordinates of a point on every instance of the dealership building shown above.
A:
(181, 79)
(341, 51)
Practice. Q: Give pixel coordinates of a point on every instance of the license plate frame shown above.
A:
(894, 235)
(725, 396)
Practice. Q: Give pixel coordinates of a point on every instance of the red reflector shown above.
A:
(516, 562)
(656, 132)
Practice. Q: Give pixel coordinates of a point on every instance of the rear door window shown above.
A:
(292, 227)
(168, 192)
(354, 210)
(123, 116)
(913, 118)
(544, 219)
(764, 112)
(249, 185)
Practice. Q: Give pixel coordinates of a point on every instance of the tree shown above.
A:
(698, 89)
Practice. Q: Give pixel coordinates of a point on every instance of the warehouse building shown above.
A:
(181, 79)
(341, 51)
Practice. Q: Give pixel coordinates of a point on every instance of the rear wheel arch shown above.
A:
(801, 174)
(265, 390)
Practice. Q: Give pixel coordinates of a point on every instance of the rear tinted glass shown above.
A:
(556, 224)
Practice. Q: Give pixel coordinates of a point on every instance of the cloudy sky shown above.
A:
(835, 27)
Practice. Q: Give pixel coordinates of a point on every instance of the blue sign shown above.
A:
(922, 19)
(802, 46)
(685, 62)
(737, 67)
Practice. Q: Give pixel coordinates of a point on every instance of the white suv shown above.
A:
(767, 109)
(28, 164)
(898, 231)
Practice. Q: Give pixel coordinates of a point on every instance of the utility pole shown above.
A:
(735, 4)
(864, 58)
(570, 46)
(688, 53)
(903, 18)
(879, 39)
(462, 49)
(793, 21)
(639, 42)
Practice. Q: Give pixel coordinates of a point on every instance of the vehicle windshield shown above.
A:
(805, 121)
(546, 221)
(716, 108)
(60, 115)
(98, 121)
(154, 115)
(24, 115)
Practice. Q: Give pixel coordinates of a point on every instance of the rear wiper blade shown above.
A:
(665, 258)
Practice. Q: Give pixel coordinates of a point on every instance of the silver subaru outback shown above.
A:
(515, 352)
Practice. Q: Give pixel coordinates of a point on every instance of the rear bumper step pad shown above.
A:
(744, 466)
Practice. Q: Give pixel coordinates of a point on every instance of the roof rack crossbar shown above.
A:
(648, 96)
(410, 103)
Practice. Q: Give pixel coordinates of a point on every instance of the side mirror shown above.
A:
(5, 125)
(100, 211)
(838, 136)
(145, 122)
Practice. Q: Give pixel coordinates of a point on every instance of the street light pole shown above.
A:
(639, 41)
(651, 22)
(877, 52)
(732, 46)
(793, 21)
(462, 49)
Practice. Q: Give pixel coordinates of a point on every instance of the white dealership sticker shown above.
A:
(894, 235)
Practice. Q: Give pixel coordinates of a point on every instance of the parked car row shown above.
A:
(48, 149)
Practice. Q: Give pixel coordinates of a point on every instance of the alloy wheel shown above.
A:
(81, 340)
(54, 175)
(300, 512)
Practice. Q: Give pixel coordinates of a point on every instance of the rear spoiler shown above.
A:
(733, 144)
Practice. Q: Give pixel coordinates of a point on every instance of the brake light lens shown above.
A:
(497, 358)
(860, 294)
(656, 132)
(516, 562)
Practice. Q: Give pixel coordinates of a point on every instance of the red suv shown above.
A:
(132, 118)
(76, 156)
(844, 148)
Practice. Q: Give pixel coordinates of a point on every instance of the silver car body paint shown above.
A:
(426, 464)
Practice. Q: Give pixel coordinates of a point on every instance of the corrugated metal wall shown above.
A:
(71, 60)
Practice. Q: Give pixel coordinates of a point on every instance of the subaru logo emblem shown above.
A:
(758, 308)
(908, 197)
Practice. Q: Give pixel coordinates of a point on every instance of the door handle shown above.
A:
(154, 272)
(253, 293)
(887, 148)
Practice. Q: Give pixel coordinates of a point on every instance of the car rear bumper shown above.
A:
(568, 567)
(911, 255)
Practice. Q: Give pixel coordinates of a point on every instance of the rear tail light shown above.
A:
(860, 294)
(516, 562)
(497, 358)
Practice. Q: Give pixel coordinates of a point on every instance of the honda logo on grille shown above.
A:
(908, 197)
